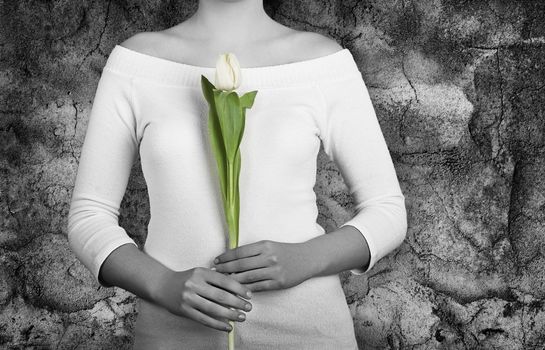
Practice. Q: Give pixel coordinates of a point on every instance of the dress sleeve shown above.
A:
(109, 150)
(352, 138)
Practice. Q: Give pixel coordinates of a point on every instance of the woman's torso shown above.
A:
(186, 229)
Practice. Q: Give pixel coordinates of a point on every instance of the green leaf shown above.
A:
(237, 122)
(247, 100)
(230, 118)
(217, 145)
(227, 119)
(207, 88)
(216, 138)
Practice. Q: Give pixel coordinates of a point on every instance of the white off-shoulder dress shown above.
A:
(153, 107)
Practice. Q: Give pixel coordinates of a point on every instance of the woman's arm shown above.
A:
(107, 156)
(129, 268)
(352, 138)
(337, 251)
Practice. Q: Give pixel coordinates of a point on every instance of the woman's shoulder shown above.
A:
(144, 42)
(317, 43)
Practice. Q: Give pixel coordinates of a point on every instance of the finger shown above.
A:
(227, 283)
(243, 264)
(245, 309)
(206, 320)
(210, 307)
(222, 297)
(240, 252)
(263, 285)
(256, 275)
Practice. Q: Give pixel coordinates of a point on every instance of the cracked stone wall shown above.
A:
(458, 90)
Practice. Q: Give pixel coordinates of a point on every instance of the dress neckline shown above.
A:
(299, 73)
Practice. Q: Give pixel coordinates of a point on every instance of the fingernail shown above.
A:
(249, 294)
(213, 269)
(216, 261)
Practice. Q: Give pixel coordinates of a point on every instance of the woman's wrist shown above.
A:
(157, 281)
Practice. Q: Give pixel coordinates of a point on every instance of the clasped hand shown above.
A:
(267, 265)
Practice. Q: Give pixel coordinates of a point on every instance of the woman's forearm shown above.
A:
(337, 251)
(129, 268)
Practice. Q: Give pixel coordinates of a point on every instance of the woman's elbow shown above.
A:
(403, 220)
(394, 207)
(385, 214)
(71, 228)
(80, 221)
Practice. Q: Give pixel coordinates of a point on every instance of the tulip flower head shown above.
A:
(228, 75)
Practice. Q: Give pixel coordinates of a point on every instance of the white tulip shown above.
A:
(228, 75)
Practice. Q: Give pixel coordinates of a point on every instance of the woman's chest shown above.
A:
(280, 127)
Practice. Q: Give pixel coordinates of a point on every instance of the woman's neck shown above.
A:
(231, 22)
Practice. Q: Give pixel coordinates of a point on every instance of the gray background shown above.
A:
(458, 87)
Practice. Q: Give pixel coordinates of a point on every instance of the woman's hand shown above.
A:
(267, 265)
(202, 295)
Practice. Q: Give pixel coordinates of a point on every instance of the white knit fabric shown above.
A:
(153, 107)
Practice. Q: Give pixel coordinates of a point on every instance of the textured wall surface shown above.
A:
(458, 86)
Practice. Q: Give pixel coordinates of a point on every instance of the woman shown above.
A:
(149, 102)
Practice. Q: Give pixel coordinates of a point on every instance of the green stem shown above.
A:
(231, 336)
(231, 208)
(233, 234)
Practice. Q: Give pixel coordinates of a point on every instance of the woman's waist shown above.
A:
(191, 244)
(318, 300)
(258, 213)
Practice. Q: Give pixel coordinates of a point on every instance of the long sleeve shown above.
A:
(352, 138)
(109, 150)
